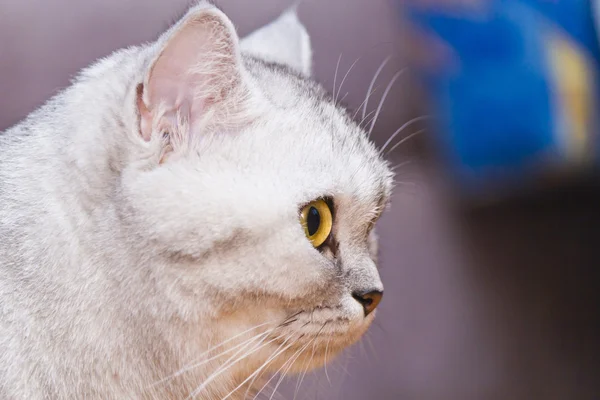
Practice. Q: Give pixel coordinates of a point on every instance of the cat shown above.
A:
(188, 219)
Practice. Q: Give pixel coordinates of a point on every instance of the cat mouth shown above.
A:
(306, 345)
(323, 329)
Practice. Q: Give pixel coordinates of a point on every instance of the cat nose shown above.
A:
(368, 299)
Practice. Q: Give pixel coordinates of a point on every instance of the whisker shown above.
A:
(271, 378)
(404, 140)
(364, 353)
(228, 365)
(292, 316)
(288, 323)
(291, 364)
(290, 320)
(220, 369)
(373, 351)
(383, 97)
(412, 121)
(307, 365)
(325, 364)
(260, 369)
(344, 79)
(256, 376)
(334, 96)
(188, 368)
(337, 66)
(243, 345)
(344, 97)
(366, 102)
(344, 367)
(361, 104)
(377, 324)
(270, 389)
(412, 184)
(400, 165)
(292, 359)
(273, 357)
(366, 117)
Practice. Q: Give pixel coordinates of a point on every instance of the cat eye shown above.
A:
(317, 220)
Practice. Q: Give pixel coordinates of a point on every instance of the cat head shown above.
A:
(252, 195)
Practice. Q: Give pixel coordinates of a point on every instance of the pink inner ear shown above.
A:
(195, 84)
(196, 67)
(145, 114)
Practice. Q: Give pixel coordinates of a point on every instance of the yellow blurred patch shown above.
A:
(574, 86)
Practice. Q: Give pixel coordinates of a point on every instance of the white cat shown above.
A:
(187, 219)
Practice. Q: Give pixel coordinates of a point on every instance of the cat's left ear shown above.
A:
(196, 81)
(283, 41)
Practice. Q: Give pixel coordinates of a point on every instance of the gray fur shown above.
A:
(117, 270)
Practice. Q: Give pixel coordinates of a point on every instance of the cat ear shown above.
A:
(283, 41)
(196, 80)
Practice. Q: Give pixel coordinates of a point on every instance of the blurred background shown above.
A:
(494, 301)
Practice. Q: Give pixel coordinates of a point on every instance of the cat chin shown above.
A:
(312, 352)
(316, 337)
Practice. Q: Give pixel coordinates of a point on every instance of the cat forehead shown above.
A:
(283, 86)
(324, 150)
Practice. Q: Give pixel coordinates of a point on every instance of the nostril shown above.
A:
(369, 299)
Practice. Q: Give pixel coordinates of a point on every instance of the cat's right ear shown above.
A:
(284, 41)
(196, 81)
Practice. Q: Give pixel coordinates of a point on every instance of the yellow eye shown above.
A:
(317, 221)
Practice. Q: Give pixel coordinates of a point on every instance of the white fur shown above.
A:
(125, 254)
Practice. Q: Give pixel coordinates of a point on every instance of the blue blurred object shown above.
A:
(519, 103)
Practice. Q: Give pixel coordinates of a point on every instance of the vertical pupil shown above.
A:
(313, 220)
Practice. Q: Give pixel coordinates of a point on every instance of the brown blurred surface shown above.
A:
(498, 304)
